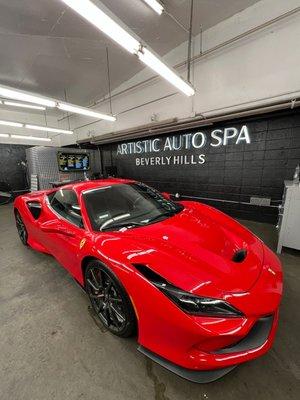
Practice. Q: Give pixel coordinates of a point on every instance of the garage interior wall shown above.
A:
(11, 170)
(231, 174)
(234, 77)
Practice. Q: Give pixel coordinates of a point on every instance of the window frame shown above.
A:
(48, 202)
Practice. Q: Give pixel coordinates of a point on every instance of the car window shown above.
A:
(120, 205)
(65, 203)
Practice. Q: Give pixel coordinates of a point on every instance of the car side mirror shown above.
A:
(169, 196)
(166, 195)
(177, 196)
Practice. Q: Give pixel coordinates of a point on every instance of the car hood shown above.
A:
(194, 249)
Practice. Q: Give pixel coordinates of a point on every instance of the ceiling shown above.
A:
(47, 48)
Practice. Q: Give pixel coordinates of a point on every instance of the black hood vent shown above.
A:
(239, 255)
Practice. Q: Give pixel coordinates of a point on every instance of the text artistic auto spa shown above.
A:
(186, 141)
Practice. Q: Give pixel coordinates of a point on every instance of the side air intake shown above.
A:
(239, 255)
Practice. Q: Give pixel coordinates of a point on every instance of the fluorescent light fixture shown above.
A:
(24, 96)
(47, 129)
(162, 69)
(155, 5)
(22, 105)
(84, 111)
(9, 123)
(99, 16)
(4, 135)
(19, 95)
(88, 10)
(43, 139)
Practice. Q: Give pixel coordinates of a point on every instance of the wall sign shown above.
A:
(184, 142)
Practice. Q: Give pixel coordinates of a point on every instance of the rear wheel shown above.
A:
(109, 299)
(22, 231)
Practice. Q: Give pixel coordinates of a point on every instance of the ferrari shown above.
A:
(199, 290)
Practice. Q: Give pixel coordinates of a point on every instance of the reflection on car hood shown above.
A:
(194, 249)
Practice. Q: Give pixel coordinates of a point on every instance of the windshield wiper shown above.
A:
(121, 225)
(166, 214)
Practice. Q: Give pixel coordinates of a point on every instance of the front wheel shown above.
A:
(109, 300)
(22, 231)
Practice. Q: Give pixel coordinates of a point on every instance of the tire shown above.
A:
(109, 300)
(22, 231)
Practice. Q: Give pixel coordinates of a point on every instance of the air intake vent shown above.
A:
(239, 255)
(149, 274)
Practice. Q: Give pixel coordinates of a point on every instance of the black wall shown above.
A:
(10, 169)
(232, 172)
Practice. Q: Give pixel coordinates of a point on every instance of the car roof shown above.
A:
(87, 185)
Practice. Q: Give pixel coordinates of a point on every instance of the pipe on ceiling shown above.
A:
(198, 57)
(175, 125)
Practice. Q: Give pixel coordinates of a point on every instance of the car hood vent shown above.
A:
(239, 255)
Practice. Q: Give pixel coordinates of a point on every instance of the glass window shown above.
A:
(65, 203)
(127, 205)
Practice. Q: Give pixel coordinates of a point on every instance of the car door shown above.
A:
(63, 234)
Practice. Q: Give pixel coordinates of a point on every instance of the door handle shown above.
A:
(53, 227)
(68, 233)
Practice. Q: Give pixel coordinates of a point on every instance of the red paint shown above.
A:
(193, 251)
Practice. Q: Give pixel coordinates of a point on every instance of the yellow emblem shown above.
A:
(82, 243)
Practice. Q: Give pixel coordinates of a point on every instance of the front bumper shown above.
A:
(189, 374)
(219, 362)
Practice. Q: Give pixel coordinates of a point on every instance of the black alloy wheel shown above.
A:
(109, 300)
(22, 231)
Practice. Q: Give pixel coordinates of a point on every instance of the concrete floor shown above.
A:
(50, 348)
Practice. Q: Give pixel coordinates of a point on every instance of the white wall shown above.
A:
(265, 65)
(34, 118)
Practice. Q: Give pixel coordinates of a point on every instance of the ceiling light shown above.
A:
(23, 96)
(104, 20)
(4, 135)
(162, 69)
(84, 111)
(9, 123)
(88, 10)
(47, 129)
(155, 5)
(30, 138)
(14, 104)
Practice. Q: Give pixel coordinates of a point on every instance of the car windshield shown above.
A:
(127, 205)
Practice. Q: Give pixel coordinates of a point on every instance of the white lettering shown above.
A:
(202, 140)
(187, 141)
(177, 142)
(124, 148)
(168, 144)
(155, 144)
(244, 135)
(216, 137)
(201, 159)
(229, 133)
(119, 149)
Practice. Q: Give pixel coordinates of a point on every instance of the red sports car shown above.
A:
(200, 290)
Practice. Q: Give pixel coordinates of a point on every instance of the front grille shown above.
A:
(256, 337)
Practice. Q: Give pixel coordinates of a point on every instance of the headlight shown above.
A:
(195, 305)
(189, 303)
